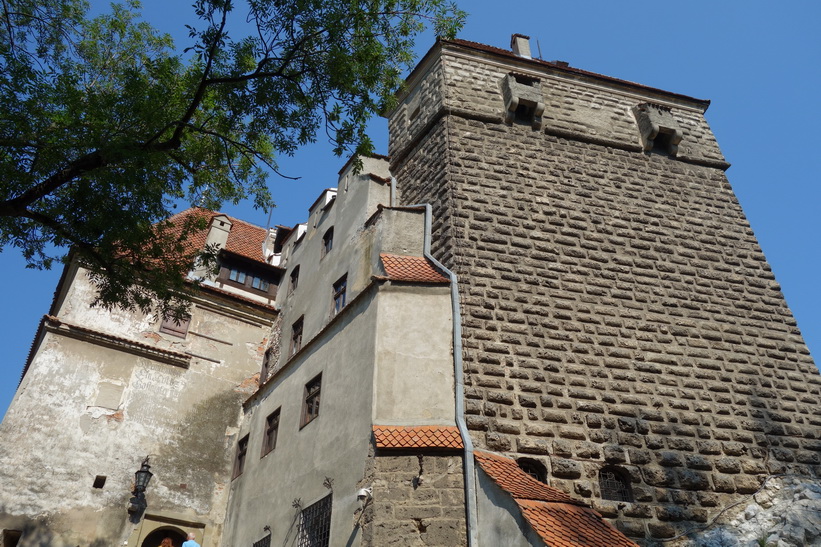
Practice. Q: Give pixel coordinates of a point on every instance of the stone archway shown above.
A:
(154, 539)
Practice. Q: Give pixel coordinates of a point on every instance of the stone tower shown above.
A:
(622, 330)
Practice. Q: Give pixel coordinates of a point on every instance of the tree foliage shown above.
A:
(105, 126)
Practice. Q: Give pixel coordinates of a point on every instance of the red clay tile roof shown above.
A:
(560, 520)
(244, 239)
(411, 268)
(423, 436)
(509, 476)
(565, 525)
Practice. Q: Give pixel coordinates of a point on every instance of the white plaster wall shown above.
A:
(500, 520)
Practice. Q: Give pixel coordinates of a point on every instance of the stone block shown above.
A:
(564, 468)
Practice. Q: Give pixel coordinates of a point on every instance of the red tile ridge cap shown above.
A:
(411, 268)
(420, 436)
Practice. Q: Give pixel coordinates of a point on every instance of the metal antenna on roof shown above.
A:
(539, 47)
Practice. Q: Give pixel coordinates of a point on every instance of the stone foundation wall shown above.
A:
(617, 310)
(418, 499)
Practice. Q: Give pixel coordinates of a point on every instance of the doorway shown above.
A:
(154, 539)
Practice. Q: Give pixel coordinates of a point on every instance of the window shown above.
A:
(310, 406)
(315, 524)
(615, 484)
(267, 365)
(237, 275)
(259, 284)
(264, 542)
(175, 327)
(340, 288)
(328, 241)
(296, 336)
(294, 279)
(242, 451)
(269, 441)
(534, 468)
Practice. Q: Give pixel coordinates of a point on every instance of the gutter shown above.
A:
(458, 376)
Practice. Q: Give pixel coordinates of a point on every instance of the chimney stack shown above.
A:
(521, 45)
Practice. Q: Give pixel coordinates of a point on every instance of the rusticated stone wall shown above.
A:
(616, 307)
(418, 499)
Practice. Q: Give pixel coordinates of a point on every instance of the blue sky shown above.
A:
(758, 62)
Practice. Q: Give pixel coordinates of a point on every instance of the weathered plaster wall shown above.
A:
(85, 410)
(501, 522)
(616, 305)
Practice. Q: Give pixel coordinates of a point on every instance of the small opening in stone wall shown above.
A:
(99, 481)
(524, 113)
(534, 468)
(614, 484)
(661, 144)
(525, 80)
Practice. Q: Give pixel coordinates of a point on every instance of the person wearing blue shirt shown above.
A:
(190, 542)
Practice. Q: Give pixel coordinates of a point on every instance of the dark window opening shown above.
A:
(315, 524)
(242, 452)
(662, 142)
(267, 365)
(269, 441)
(534, 468)
(296, 336)
(264, 542)
(525, 80)
(310, 406)
(615, 485)
(339, 294)
(175, 326)
(328, 241)
(525, 113)
(11, 538)
(99, 481)
(294, 280)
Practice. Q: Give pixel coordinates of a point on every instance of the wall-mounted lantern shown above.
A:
(137, 504)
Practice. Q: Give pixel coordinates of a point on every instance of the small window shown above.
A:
(237, 275)
(242, 451)
(10, 538)
(99, 481)
(310, 406)
(269, 441)
(340, 288)
(294, 279)
(259, 284)
(328, 241)
(315, 524)
(267, 365)
(615, 485)
(296, 336)
(175, 326)
(534, 468)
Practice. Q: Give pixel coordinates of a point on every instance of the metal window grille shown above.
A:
(315, 524)
(614, 486)
(264, 542)
(533, 469)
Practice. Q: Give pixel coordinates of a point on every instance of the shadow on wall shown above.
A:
(38, 534)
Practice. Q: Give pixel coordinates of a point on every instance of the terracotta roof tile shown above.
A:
(423, 436)
(565, 525)
(509, 476)
(244, 239)
(411, 268)
(560, 520)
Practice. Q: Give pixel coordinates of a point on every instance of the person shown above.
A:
(167, 543)
(190, 541)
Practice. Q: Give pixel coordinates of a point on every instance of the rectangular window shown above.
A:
(242, 451)
(315, 524)
(310, 406)
(294, 279)
(328, 241)
(237, 275)
(259, 284)
(296, 336)
(340, 287)
(269, 442)
(175, 327)
(267, 365)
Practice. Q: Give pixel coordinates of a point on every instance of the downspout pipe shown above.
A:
(393, 197)
(458, 376)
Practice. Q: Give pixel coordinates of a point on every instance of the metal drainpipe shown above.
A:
(393, 191)
(470, 475)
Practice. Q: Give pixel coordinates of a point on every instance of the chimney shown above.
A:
(520, 44)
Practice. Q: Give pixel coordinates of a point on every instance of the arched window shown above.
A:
(534, 468)
(614, 484)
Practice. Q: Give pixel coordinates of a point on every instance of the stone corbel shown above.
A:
(525, 92)
(655, 120)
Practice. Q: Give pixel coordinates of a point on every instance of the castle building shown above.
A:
(541, 320)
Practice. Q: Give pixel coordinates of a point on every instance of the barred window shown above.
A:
(315, 524)
(615, 485)
(534, 468)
